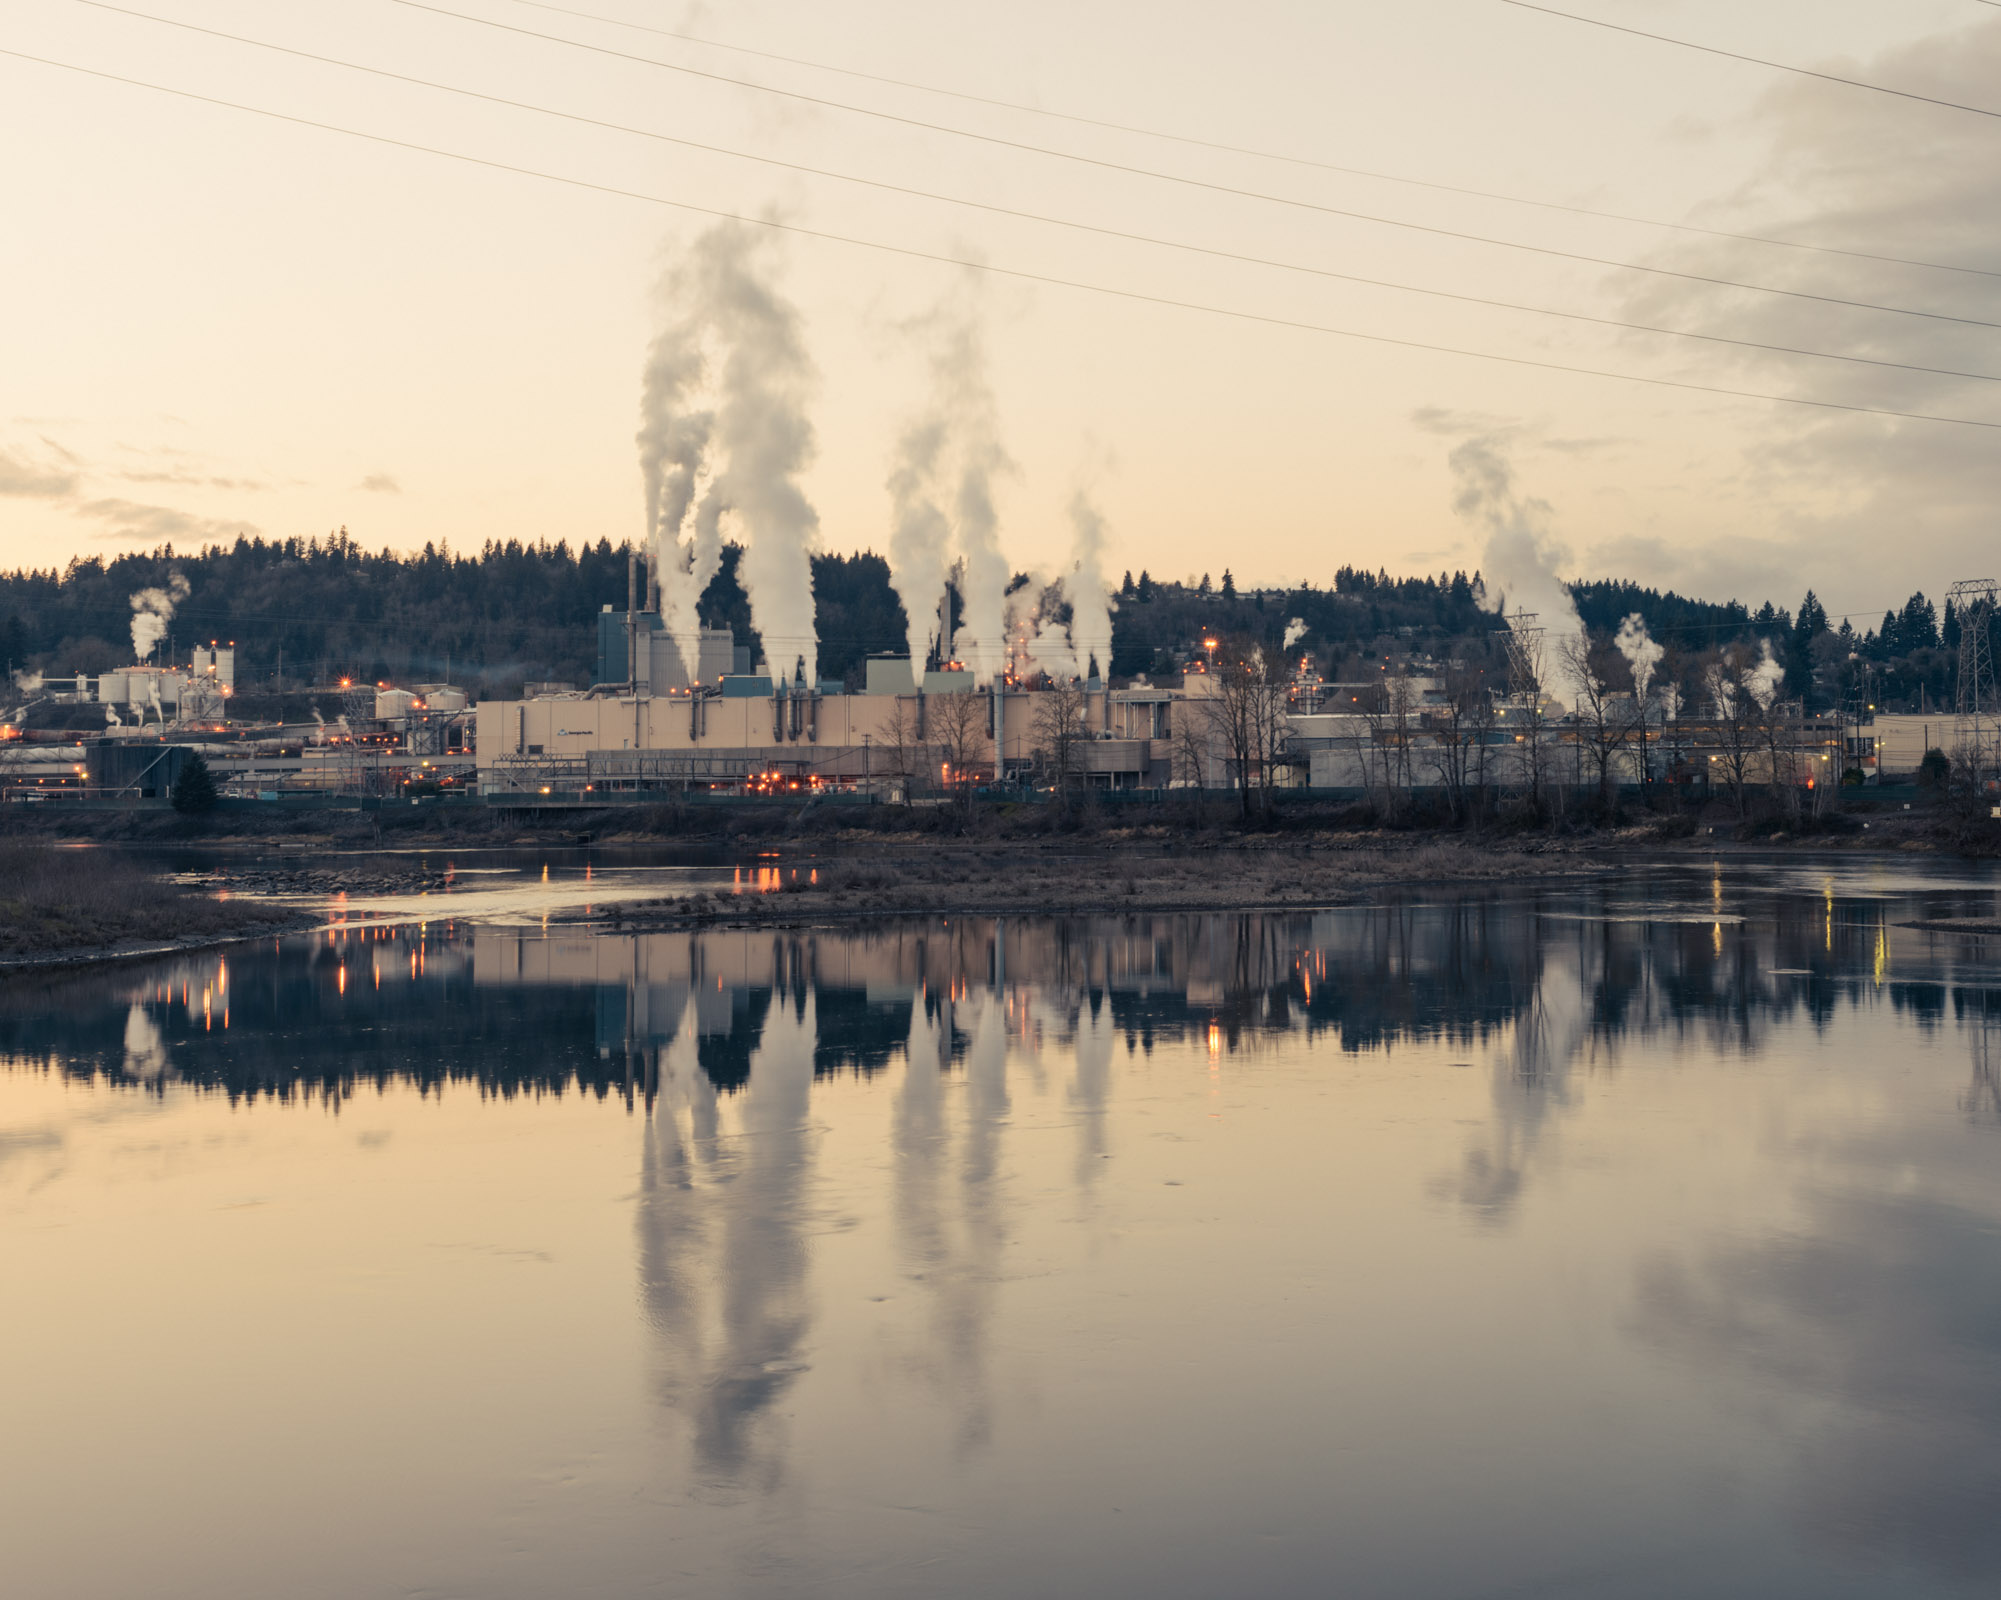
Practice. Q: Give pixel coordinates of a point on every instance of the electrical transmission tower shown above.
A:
(1525, 663)
(1976, 703)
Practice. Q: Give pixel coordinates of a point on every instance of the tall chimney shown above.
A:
(632, 621)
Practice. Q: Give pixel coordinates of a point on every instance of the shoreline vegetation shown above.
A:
(1134, 879)
(813, 864)
(66, 906)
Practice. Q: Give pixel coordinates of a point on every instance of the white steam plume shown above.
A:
(1641, 653)
(944, 474)
(1295, 630)
(1521, 557)
(1767, 678)
(920, 536)
(732, 336)
(1090, 599)
(673, 444)
(152, 610)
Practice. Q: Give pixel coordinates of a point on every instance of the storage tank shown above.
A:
(391, 705)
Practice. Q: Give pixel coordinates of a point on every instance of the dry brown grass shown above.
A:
(1027, 882)
(56, 902)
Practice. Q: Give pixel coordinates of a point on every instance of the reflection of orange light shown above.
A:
(341, 981)
(1215, 1041)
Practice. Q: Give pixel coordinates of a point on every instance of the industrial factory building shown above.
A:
(194, 693)
(643, 728)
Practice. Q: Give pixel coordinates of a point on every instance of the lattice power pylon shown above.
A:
(1524, 653)
(1976, 702)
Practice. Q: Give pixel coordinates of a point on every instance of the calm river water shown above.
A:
(1641, 1239)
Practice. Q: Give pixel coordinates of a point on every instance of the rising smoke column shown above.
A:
(920, 536)
(1090, 599)
(944, 474)
(152, 610)
(734, 332)
(1522, 554)
(1641, 653)
(673, 444)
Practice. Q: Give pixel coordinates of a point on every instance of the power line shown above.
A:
(908, 252)
(1061, 222)
(1263, 155)
(1194, 183)
(1756, 61)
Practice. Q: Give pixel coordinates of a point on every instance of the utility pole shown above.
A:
(1975, 701)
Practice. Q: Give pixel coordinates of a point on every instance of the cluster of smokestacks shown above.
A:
(724, 436)
(1520, 562)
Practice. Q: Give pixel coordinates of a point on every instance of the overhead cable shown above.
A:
(907, 252)
(1262, 155)
(1060, 222)
(1200, 183)
(1756, 61)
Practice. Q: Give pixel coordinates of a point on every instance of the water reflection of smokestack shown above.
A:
(956, 1267)
(762, 1260)
(670, 1223)
(968, 1305)
(1531, 1083)
(1983, 1098)
(1095, 1033)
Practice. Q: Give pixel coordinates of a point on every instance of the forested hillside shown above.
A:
(311, 611)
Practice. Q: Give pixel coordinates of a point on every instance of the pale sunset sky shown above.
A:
(219, 322)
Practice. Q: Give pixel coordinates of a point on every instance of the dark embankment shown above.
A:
(60, 904)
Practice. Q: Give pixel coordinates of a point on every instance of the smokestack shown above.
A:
(632, 621)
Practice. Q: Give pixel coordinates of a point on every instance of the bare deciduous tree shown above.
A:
(1059, 730)
(1605, 709)
(1726, 679)
(1247, 719)
(959, 731)
(906, 756)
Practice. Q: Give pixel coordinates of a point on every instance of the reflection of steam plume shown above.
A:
(763, 1254)
(1095, 1033)
(145, 1050)
(736, 333)
(1531, 1086)
(953, 1251)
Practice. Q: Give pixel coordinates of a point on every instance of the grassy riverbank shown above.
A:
(58, 904)
(1141, 876)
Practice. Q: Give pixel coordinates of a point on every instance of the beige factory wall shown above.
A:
(574, 727)
(1901, 741)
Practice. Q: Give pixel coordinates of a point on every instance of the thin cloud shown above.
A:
(193, 480)
(1880, 501)
(31, 480)
(126, 519)
(380, 483)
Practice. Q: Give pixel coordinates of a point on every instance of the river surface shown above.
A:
(1634, 1239)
